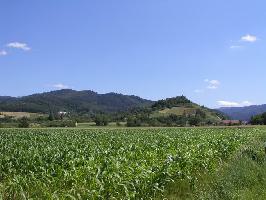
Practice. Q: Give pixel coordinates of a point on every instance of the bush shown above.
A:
(258, 119)
(118, 124)
(133, 122)
(59, 123)
(6, 119)
(101, 120)
(194, 121)
(24, 123)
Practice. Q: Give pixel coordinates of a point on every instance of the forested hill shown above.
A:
(72, 101)
(244, 113)
(176, 111)
(180, 105)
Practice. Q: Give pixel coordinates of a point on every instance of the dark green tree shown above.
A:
(51, 116)
(101, 120)
(133, 121)
(194, 121)
(200, 113)
(259, 119)
(24, 123)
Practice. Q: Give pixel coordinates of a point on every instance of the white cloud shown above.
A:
(212, 87)
(249, 38)
(234, 104)
(228, 103)
(247, 103)
(60, 86)
(18, 45)
(3, 53)
(212, 84)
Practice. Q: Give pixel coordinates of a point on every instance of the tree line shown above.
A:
(258, 119)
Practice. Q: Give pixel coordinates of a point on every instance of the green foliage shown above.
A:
(101, 120)
(178, 111)
(51, 116)
(133, 122)
(109, 163)
(171, 102)
(118, 124)
(23, 122)
(169, 121)
(194, 121)
(200, 113)
(259, 119)
(6, 119)
(59, 123)
(243, 177)
(81, 102)
(173, 120)
(88, 106)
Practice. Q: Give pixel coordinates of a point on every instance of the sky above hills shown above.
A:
(211, 51)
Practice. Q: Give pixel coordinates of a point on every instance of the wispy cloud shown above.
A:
(228, 103)
(18, 45)
(212, 84)
(247, 103)
(236, 47)
(3, 53)
(198, 91)
(249, 38)
(234, 104)
(60, 86)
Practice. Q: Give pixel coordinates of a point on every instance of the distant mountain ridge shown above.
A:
(175, 111)
(243, 113)
(72, 101)
(5, 98)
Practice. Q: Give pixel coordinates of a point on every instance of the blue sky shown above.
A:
(211, 51)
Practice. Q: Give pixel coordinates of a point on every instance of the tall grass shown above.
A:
(242, 176)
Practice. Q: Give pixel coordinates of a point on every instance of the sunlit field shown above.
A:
(111, 163)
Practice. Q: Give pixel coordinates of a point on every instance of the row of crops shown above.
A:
(109, 164)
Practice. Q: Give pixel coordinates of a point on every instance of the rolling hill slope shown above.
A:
(176, 111)
(181, 106)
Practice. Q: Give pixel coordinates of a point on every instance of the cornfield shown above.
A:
(109, 163)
